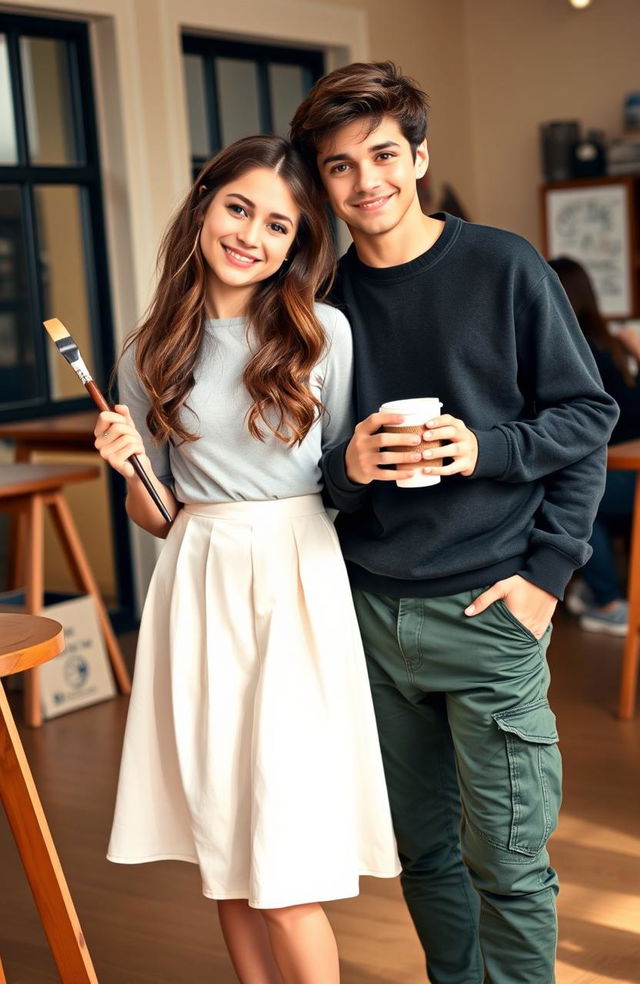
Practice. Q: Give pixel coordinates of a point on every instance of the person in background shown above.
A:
(598, 598)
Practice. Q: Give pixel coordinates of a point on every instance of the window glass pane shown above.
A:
(63, 265)
(48, 105)
(8, 149)
(196, 105)
(18, 378)
(237, 99)
(288, 89)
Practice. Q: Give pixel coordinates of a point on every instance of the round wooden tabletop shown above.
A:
(28, 640)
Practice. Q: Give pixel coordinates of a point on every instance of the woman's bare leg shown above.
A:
(245, 933)
(303, 944)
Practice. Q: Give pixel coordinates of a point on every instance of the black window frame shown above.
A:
(85, 176)
(209, 48)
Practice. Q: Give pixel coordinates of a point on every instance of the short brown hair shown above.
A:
(360, 90)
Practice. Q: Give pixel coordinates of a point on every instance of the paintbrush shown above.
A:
(70, 351)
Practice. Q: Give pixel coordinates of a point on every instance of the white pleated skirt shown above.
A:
(251, 745)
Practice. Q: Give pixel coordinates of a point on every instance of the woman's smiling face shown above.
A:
(247, 230)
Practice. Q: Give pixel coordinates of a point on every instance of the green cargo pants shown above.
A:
(469, 744)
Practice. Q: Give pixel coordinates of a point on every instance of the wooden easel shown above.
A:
(27, 641)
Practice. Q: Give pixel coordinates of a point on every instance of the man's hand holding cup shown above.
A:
(368, 450)
(407, 434)
(457, 442)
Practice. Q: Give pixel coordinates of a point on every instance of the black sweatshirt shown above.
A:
(481, 322)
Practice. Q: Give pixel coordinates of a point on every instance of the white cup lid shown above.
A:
(429, 406)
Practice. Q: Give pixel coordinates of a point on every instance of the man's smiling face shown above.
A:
(370, 178)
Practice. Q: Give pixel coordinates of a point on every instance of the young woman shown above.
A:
(251, 746)
(598, 597)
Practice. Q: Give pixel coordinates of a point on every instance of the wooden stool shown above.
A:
(26, 641)
(26, 490)
(71, 432)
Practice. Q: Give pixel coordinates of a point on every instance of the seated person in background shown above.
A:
(630, 338)
(599, 598)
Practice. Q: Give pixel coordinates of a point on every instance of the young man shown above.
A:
(455, 584)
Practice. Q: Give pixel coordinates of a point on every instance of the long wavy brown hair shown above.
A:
(290, 337)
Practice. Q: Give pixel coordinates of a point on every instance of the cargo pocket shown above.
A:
(535, 770)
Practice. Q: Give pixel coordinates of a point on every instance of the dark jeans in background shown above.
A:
(614, 515)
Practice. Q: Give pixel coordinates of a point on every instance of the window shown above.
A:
(52, 260)
(236, 89)
(52, 246)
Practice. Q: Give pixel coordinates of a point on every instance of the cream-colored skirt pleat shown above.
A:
(251, 746)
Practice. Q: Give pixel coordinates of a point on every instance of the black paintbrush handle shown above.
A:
(102, 404)
(146, 481)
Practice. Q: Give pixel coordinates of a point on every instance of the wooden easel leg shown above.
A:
(3, 979)
(39, 857)
(82, 572)
(629, 676)
(629, 668)
(33, 517)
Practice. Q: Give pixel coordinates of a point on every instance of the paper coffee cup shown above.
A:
(416, 413)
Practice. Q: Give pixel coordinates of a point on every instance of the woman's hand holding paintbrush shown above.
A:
(120, 444)
(71, 353)
(117, 439)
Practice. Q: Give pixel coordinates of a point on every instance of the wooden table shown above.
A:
(25, 490)
(69, 432)
(26, 641)
(626, 457)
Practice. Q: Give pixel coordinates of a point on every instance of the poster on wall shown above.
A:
(591, 225)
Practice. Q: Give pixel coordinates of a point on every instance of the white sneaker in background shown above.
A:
(613, 622)
(579, 598)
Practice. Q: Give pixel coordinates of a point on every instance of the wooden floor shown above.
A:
(148, 924)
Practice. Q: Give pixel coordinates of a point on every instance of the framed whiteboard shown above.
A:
(591, 224)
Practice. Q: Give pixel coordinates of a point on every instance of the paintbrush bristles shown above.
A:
(55, 329)
(67, 348)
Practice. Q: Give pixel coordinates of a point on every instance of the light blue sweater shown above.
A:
(226, 464)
